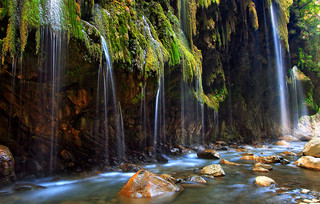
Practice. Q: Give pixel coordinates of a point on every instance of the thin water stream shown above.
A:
(237, 186)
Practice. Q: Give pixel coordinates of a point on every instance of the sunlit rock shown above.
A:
(288, 153)
(248, 157)
(214, 169)
(264, 181)
(128, 167)
(145, 184)
(308, 162)
(312, 148)
(208, 154)
(224, 161)
(6, 165)
(196, 179)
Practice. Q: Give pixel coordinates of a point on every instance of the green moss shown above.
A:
(9, 42)
(253, 16)
(207, 3)
(283, 19)
(30, 19)
(4, 9)
(71, 20)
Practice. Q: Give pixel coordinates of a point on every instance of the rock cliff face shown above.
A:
(213, 82)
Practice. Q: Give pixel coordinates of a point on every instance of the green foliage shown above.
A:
(308, 21)
(4, 9)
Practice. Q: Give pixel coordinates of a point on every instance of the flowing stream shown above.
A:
(238, 184)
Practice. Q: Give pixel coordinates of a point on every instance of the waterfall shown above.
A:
(159, 118)
(55, 14)
(109, 96)
(299, 106)
(281, 77)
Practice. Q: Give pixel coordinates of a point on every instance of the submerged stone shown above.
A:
(312, 148)
(145, 184)
(264, 181)
(208, 154)
(27, 186)
(308, 162)
(214, 169)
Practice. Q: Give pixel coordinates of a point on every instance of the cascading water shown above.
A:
(159, 118)
(109, 96)
(281, 77)
(299, 106)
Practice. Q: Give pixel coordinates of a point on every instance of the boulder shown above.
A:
(223, 161)
(214, 169)
(208, 154)
(312, 148)
(264, 181)
(308, 162)
(128, 167)
(6, 165)
(282, 143)
(145, 184)
(27, 186)
(196, 179)
(287, 153)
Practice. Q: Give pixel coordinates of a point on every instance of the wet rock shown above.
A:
(67, 156)
(224, 161)
(308, 162)
(248, 157)
(311, 201)
(312, 148)
(27, 186)
(169, 178)
(259, 169)
(208, 154)
(288, 153)
(285, 161)
(145, 184)
(196, 179)
(214, 169)
(175, 151)
(282, 143)
(6, 165)
(266, 166)
(222, 143)
(268, 159)
(128, 167)
(264, 181)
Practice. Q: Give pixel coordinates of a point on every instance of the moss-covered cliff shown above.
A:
(214, 59)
